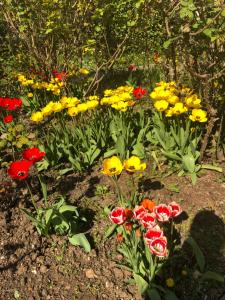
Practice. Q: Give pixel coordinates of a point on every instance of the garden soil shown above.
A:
(35, 268)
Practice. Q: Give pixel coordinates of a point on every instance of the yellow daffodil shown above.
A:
(198, 115)
(133, 164)
(161, 105)
(112, 166)
(37, 116)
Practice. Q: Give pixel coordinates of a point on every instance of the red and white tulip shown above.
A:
(118, 215)
(163, 212)
(158, 246)
(175, 209)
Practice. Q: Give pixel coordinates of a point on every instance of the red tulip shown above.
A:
(139, 92)
(139, 211)
(8, 119)
(153, 233)
(163, 212)
(158, 246)
(118, 216)
(33, 154)
(19, 169)
(148, 220)
(175, 209)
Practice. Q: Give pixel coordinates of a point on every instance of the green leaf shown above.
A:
(48, 215)
(197, 252)
(70, 208)
(43, 187)
(110, 231)
(214, 276)
(188, 162)
(141, 283)
(223, 13)
(211, 167)
(80, 240)
(153, 294)
(170, 296)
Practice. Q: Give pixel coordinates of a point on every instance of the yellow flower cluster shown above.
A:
(55, 85)
(113, 166)
(174, 101)
(120, 98)
(71, 103)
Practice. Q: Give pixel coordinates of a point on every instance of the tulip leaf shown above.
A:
(153, 294)
(141, 283)
(80, 240)
(110, 230)
(170, 296)
(197, 252)
(213, 276)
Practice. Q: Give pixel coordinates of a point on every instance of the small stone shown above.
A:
(21, 270)
(43, 269)
(90, 274)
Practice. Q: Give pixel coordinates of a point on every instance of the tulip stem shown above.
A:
(120, 195)
(31, 195)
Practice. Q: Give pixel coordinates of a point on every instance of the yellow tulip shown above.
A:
(112, 166)
(161, 105)
(198, 115)
(37, 116)
(133, 164)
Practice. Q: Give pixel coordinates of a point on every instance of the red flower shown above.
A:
(118, 216)
(148, 220)
(129, 213)
(8, 119)
(17, 103)
(153, 233)
(33, 154)
(139, 212)
(11, 104)
(175, 209)
(19, 169)
(132, 67)
(60, 75)
(158, 246)
(163, 212)
(139, 92)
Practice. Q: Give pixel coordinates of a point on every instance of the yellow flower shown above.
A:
(82, 107)
(72, 111)
(170, 282)
(46, 111)
(122, 106)
(169, 112)
(84, 71)
(37, 116)
(161, 105)
(173, 99)
(193, 101)
(112, 166)
(179, 108)
(30, 95)
(92, 104)
(198, 115)
(133, 164)
(57, 106)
